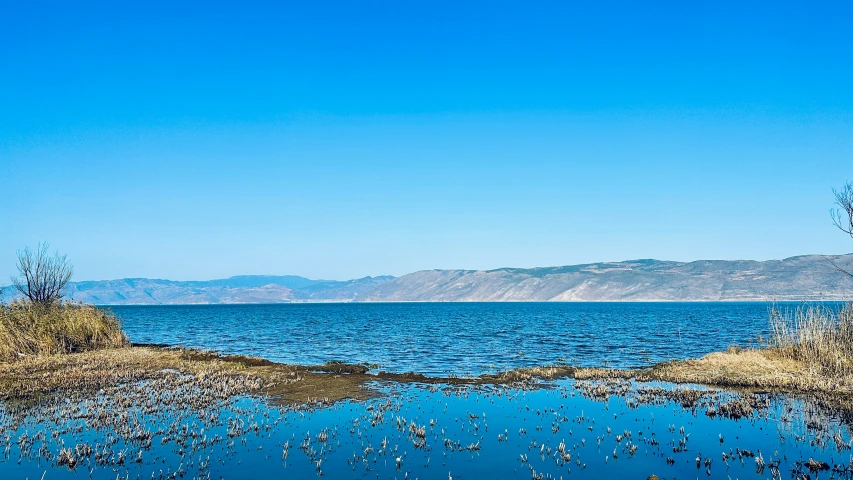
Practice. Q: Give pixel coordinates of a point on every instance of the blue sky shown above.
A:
(337, 140)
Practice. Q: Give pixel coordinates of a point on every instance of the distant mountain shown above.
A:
(254, 281)
(809, 277)
(240, 289)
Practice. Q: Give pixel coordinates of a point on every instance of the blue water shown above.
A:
(455, 338)
(518, 435)
(516, 432)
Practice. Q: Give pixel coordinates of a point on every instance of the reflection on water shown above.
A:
(454, 338)
(572, 430)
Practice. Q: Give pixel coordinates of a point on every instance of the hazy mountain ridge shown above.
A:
(808, 277)
(239, 289)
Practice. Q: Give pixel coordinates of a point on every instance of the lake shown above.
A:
(454, 338)
(551, 430)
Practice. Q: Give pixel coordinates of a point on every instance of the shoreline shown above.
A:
(214, 413)
(160, 400)
(773, 300)
(31, 378)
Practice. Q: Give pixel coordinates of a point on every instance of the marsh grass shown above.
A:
(810, 350)
(72, 347)
(820, 337)
(33, 329)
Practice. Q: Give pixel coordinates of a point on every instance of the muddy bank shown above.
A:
(752, 370)
(146, 403)
(200, 415)
(90, 372)
(33, 377)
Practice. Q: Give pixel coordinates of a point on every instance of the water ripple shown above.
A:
(457, 338)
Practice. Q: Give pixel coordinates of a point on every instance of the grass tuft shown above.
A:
(820, 337)
(32, 329)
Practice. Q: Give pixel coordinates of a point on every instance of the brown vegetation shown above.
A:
(92, 371)
(821, 337)
(67, 348)
(811, 351)
(766, 369)
(31, 328)
(31, 377)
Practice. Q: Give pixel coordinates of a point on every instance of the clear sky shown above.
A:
(337, 140)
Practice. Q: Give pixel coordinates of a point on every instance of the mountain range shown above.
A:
(808, 277)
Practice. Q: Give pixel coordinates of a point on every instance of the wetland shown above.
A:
(184, 411)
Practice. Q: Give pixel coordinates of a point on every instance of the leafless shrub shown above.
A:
(842, 216)
(42, 277)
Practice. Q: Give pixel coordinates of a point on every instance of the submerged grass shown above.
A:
(87, 372)
(32, 329)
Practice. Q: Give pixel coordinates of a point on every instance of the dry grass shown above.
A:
(767, 369)
(532, 374)
(811, 351)
(821, 337)
(32, 377)
(30, 329)
(91, 371)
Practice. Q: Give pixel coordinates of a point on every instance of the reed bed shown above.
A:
(810, 350)
(820, 337)
(31, 329)
(68, 346)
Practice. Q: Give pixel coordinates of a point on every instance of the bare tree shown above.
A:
(842, 216)
(42, 277)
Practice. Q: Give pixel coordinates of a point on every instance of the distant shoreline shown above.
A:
(471, 302)
(809, 278)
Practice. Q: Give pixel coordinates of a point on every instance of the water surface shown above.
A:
(419, 432)
(567, 429)
(455, 338)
